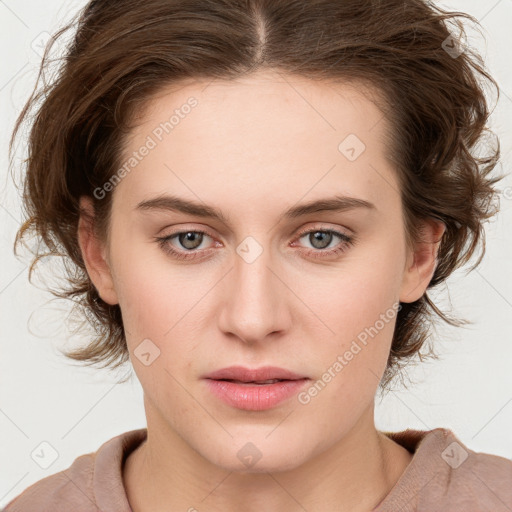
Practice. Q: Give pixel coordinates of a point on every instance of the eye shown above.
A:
(188, 240)
(322, 238)
(188, 243)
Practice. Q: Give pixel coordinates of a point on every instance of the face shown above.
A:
(313, 292)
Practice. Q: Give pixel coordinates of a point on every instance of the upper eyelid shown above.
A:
(340, 230)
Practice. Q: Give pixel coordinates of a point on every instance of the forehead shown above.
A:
(337, 105)
(264, 133)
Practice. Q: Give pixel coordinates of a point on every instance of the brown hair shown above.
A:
(124, 52)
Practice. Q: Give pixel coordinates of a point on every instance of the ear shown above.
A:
(94, 253)
(422, 261)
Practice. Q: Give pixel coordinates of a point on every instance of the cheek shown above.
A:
(154, 300)
(158, 315)
(353, 297)
(358, 309)
(351, 361)
(165, 303)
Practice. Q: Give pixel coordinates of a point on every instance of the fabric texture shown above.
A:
(443, 476)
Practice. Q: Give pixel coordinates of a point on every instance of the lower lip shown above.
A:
(255, 397)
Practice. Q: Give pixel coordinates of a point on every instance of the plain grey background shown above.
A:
(45, 398)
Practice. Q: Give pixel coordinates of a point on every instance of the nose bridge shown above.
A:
(254, 305)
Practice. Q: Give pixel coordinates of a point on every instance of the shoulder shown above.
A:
(70, 489)
(445, 474)
(93, 482)
(475, 478)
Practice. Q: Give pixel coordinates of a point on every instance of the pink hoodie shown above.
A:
(443, 476)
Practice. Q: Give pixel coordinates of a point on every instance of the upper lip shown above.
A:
(252, 375)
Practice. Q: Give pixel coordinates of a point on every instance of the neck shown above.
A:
(355, 474)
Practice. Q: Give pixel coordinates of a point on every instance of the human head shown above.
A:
(126, 52)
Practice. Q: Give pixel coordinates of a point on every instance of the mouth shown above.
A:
(254, 382)
(259, 376)
(257, 389)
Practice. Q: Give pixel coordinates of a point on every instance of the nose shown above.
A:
(255, 300)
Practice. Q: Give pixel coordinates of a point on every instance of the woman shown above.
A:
(256, 196)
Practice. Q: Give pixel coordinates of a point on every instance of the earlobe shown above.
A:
(422, 262)
(94, 253)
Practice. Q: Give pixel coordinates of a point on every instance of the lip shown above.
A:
(254, 397)
(250, 396)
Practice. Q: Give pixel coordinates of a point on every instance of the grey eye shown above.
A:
(189, 239)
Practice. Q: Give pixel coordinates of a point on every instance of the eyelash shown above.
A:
(347, 241)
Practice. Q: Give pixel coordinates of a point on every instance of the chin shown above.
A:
(254, 454)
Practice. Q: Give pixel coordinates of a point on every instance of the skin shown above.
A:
(253, 148)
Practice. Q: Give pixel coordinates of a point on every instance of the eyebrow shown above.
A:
(174, 203)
